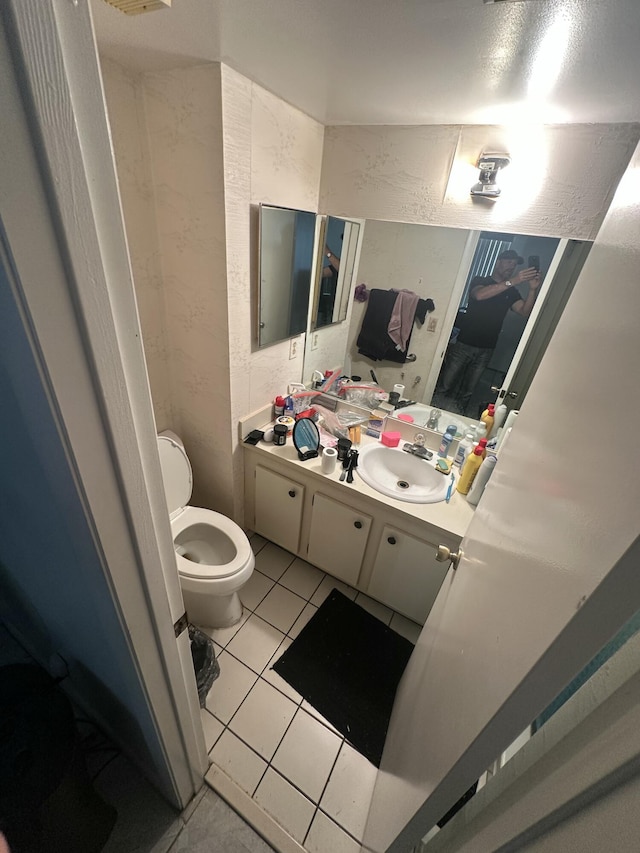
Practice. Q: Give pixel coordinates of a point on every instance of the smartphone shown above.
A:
(534, 261)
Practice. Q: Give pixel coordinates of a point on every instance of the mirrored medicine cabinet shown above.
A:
(309, 268)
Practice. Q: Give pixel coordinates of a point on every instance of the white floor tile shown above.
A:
(289, 808)
(230, 688)
(273, 561)
(257, 542)
(255, 590)
(325, 835)
(302, 620)
(281, 608)
(327, 585)
(315, 713)
(211, 727)
(276, 680)
(302, 578)
(306, 754)
(222, 636)
(263, 718)
(255, 643)
(348, 794)
(374, 607)
(405, 627)
(240, 763)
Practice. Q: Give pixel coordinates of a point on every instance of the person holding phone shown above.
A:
(490, 297)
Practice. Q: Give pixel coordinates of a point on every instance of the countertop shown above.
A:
(453, 517)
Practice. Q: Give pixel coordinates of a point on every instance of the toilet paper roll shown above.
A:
(399, 390)
(328, 461)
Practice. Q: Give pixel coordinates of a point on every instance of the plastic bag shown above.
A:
(205, 665)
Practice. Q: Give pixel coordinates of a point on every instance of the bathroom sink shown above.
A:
(397, 474)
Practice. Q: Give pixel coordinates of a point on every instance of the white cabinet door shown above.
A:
(406, 575)
(337, 538)
(278, 503)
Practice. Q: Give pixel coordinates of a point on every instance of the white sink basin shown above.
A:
(397, 474)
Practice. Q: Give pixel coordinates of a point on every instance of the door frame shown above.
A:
(62, 212)
(587, 750)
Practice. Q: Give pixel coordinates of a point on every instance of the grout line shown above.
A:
(322, 793)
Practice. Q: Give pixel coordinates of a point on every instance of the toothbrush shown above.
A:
(450, 489)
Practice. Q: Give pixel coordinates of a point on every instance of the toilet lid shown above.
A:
(176, 474)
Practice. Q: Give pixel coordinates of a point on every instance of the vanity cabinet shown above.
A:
(385, 551)
(278, 508)
(338, 537)
(405, 573)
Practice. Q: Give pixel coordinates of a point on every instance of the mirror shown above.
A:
(286, 260)
(337, 248)
(306, 439)
(441, 264)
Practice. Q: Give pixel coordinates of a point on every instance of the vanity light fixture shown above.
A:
(138, 7)
(489, 165)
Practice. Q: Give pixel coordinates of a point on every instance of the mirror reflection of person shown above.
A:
(328, 287)
(489, 300)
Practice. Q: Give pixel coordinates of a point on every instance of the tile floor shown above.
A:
(262, 734)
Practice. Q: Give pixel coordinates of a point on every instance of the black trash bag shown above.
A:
(205, 665)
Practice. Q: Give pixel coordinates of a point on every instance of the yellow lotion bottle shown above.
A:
(487, 418)
(470, 469)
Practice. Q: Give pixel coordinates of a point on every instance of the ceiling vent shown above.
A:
(137, 7)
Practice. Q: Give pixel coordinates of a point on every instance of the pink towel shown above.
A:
(402, 317)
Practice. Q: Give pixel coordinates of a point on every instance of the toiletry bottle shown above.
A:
(469, 471)
(443, 450)
(288, 406)
(481, 432)
(499, 417)
(482, 444)
(513, 414)
(481, 480)
(279, 407)
(464, 449)
(488, 417)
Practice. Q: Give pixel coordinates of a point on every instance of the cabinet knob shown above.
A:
(292, 493)
(391, 540)
(357, 525)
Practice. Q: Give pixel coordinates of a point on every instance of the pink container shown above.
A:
(390, 439)
(407, 418)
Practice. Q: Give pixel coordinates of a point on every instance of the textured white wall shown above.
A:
(124, 94)
(184, 124)
(272, 154)
(559, 184)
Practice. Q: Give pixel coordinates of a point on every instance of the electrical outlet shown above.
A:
(314, 341)
(432, 325)
(293, 348)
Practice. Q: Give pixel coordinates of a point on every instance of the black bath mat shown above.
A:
(347, 664)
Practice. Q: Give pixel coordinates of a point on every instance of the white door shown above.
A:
(65, 256)
(546, 578)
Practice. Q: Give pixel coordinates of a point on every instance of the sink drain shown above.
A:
(402, 484)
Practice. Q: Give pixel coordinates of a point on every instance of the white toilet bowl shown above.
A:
(213, 555)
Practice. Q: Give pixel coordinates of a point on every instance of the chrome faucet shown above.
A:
(417, 448)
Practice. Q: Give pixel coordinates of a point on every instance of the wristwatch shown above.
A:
(508, 284)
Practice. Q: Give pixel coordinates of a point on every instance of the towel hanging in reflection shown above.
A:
(374, 340)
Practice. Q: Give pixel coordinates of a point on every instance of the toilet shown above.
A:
(213, 554)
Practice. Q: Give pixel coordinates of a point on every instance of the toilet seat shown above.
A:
(191, 516)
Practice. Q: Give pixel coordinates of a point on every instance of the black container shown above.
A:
(344, 446)
(280, 434)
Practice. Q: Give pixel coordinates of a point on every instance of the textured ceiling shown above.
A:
(404, 61)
